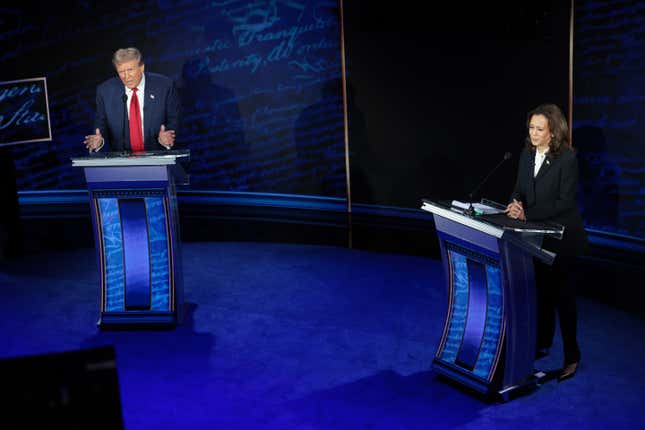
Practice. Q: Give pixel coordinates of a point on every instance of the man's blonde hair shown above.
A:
(124, 55)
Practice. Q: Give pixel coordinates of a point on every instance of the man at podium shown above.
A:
(136, 111)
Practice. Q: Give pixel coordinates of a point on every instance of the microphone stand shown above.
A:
(124, 97)
(471, 210)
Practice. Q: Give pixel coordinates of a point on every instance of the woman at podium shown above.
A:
(545, 190)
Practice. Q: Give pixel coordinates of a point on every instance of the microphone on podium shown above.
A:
(471, 211)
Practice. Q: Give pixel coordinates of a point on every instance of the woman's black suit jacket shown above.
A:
(551, 196)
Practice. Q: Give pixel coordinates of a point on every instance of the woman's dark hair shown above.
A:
(557, 125)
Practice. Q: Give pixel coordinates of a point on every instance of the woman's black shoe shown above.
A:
(568, 372)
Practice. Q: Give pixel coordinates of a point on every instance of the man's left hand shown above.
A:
(166, 137)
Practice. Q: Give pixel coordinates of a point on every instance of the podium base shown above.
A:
(530, 384)
(137, 320)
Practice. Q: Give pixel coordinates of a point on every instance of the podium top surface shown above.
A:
(494, 224)
(527, 236)
(149, 158)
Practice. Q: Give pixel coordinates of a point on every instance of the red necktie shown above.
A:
(136, 138)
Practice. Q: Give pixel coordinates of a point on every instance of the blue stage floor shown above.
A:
(282, 336)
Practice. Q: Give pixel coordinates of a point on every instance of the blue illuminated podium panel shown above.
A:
(488, 340)
(136, 229)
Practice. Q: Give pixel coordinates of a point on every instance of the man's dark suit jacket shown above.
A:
(551, 196)
(161, 106)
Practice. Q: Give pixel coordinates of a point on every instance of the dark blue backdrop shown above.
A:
(437, 100)
(608, 114)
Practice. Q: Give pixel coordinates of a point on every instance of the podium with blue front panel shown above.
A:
(136, 230)
(489, 336)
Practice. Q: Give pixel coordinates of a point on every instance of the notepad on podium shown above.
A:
(485, 207)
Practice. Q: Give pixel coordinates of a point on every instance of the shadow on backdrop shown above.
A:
(361, 156)
(598, 188)
(320, 145)
(212, 129)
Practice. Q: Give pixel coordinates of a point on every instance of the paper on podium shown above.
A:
(479, 208)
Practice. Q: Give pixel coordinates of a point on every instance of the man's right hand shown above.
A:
(94, 142)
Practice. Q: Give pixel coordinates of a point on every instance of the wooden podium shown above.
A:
(489, 336)
(136, 231)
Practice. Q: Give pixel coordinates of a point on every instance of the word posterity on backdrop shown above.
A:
(259, 83)
(24, 111)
